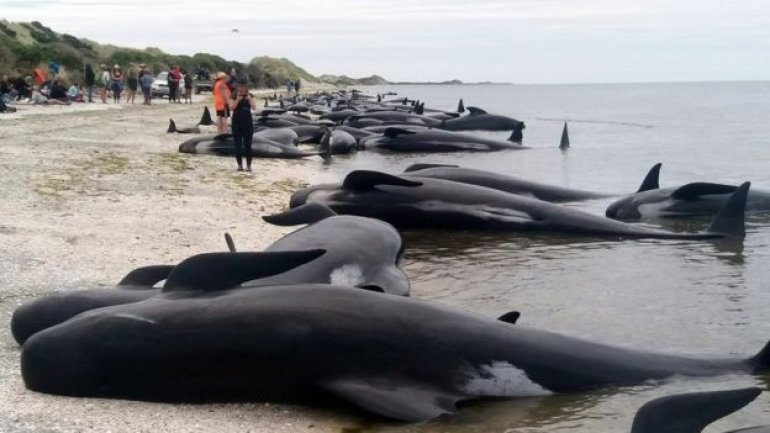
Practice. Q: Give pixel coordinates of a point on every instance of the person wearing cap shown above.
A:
(241, 104)
(221, 95)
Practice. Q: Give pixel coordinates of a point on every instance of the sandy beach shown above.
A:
(92, 191)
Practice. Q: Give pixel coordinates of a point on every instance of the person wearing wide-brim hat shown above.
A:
(241, 104)
(221, 97)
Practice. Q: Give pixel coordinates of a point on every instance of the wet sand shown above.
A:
(92, 191)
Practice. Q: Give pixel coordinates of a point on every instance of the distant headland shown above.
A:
(26, 46)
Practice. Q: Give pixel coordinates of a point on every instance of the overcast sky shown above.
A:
(520, 41)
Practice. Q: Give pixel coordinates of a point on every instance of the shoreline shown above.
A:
(93, 193)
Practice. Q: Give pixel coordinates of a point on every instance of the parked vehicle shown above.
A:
(160, 85)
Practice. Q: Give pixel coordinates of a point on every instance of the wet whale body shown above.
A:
(138, 285)
(223, 145)
(480, 120)
(511, 184)
(424, 203)
(395, 139)
(692, 412)
(393, 356)
(360, 252)
(697, 198)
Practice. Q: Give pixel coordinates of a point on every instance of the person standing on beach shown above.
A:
(174, 77)
(104, 83)
(132, 83)
(145, 80)
(221, 94)
(116, 83)
(242, 103)
(297, 85)
(188, 83)
(90, 79)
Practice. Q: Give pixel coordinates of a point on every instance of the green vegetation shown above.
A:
(26, 46)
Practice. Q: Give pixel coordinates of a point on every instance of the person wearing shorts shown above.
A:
(221, 100)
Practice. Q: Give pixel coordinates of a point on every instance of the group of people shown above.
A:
(232, 95)
(113, 81)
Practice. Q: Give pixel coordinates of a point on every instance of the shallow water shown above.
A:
(699, 298)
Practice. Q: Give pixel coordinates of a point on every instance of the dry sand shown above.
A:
(90, 192)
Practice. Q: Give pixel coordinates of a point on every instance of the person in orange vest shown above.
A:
(221, 98)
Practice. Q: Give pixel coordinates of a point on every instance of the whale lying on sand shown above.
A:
(392, 356)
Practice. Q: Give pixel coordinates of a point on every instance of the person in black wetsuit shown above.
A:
(241, 104)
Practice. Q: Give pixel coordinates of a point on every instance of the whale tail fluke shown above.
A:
(761, 361)
(171, 126)
(516, 135)
(690, 412)
(652, 180)
(730, 220)
(206, 117)
(564, 143)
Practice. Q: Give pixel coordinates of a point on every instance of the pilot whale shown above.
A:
(697, 198)
(393, 356)
(419, 203)
(511, 184)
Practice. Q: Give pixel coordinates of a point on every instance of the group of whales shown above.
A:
(351, 122)
(322, 312)
(325, 311)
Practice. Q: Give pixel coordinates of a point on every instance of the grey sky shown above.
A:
(521, 41)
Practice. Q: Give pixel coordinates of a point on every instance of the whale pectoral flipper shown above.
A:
(362, 180)
(221, 271)
(690, 412)
(510, 317)
(652, 179)
(308, 213)
(422, 166)
(146, 276)
(394, 399)
(693, 191)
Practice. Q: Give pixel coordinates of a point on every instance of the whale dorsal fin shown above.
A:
(206, 117)
(361, 180)
(146, 276)
(460, 106)
(651, 180)
(693, 191)
(308, 213)
(423, 166)
(221, 271)
(171, 126)
(690, 412)
(510, 317)
(395, 132)
(392, 398)
(731, 218)
(474, 111)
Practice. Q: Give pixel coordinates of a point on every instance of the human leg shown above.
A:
(238, 142)
(247, 139)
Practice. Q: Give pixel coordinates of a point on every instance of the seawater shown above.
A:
(698, 298)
